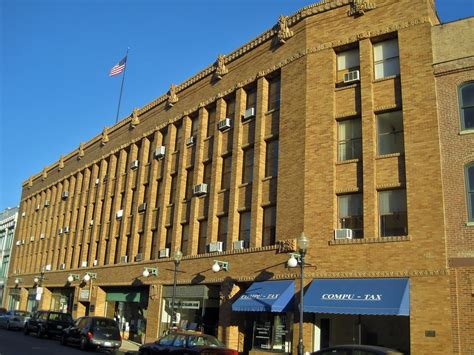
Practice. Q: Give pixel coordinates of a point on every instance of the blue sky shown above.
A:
(55, 57)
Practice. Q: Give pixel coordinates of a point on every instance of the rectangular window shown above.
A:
(189, 185)
(271, 159)
(207, 174)
(350, 214)
(274, 93)
(202, 237)
(184, 239)
(244, 226)
(222, 231)
(247, 171)
(347, 61)
(251, 97)
(390, 133)
(470, 191)
(386, 60)
(226, 172)
(393, 213)
(230, 108)
(269, 226)
(173, 189)
(194, 126)
(169, 235)
(349, 139)
(211, 121)
(179, 137)
(466, 100)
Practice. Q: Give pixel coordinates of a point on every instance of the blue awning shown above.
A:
(359, 296)
(266, 296)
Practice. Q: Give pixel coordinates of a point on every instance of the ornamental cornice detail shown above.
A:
(172, 96)
(221, 69)
(135, 121)
(80, 152)
(360, 7)
(105, 136)
(44, 173)
(284, 33)
(61, 163)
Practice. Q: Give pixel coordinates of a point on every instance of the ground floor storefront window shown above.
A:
(14, 299)
(271, 332)
(62, 300)
(32, 303)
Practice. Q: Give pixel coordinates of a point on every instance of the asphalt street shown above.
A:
(16, 343)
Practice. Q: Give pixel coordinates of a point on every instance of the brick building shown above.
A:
(327, 124)
(453, 59)
(8, 220)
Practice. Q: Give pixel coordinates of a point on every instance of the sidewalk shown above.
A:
(129, 347)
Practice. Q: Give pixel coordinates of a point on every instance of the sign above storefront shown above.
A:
(266, 296)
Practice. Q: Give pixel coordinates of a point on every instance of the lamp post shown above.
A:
(177, 256)
(295, 259)
(38, 280)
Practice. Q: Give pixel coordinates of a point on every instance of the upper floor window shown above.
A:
(226, 172)
(251, 97)
(271, 158)
(390, 133)
(269, 226)
(211, 121)
(244, 226)
(393, 213)
(179, 137)
(347, 61)
(386, 59)
(349, 139)
(247, 169)
(230, 107)
(274, 93)
(470, 190)
(350, 214)
(466, 103)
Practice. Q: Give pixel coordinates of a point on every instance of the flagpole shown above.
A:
(121, 87)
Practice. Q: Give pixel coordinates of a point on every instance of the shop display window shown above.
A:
(272, 332)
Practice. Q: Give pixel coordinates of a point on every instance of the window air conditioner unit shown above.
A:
(84, 263)
(190, 141)
(142, 207)
(351, 76)
(91, 223)
(134, 165)
(47, 267)
(124, 259)
(32, 238)
(22, 241)
(18, 242)
(214, 247)
(200, 189)
(23, 214)
(239, 244)
(97, 181)
(139, 257)
(66, 229)
(160, 152)
(224, 124)
(164, 253)
(249, 113)
(65, 195)
(60, 231)
(119, 214)
(37, 207)
(42, 236)
(62, 266)
(46, 203)
(95, 263)
(343, 234)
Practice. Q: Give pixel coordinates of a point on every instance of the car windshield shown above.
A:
(200, 340)
(105, 323)
(22, 313)
(60, 317)
(166, 340)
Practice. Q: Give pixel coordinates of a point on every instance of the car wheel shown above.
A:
(26, 331)
(40, 332)
(83, 344)
(63, 340)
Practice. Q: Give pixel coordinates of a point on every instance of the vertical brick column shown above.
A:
(67, 220)
(73, 221)
(23, 298)
(36, 242)
(59, 238)
(55, 225)
(45, 302)
(28, 243)
(153, 330)
(99, 301)
(79, 237)
(91, 196)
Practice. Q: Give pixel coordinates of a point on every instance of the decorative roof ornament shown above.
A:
(135, 120)
(284, 32)
(172, 97)
(221, 69)
(30, 182)
(44, 174)
(80, 153)
(359, 7)
(105, 136)
(61, 163)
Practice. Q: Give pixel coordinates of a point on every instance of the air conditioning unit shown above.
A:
(134, 165)
(66, 229)
(37, 207)
(62, 266)
(214, 247)
(22, 242)
(249, 113)
(95, 262)
(142, 207)
(164, 253)
(18, 242)
(60, 231)
(23, 214)
(124, 259)
(42, 236)
(46, 203)
(84, 263)
(32, 238)
(239, 244)
(160, 152)
(343, 234)
(91, 223)
(351, 76)
(139, 257)
(200, 189)
(65, 195)
(47, 267)
(190, 141)
(224, 124)
(97, 181)
(119, 214)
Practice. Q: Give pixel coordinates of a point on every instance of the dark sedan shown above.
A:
(47, 323)
(186, 343)
(354, 349)
(93, 333)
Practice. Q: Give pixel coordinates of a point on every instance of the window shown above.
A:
(251, 97)
(211, 121)
(173, 189)
(393, 213)
(349, 139)
(466, 101)
(230, 108)
(470, 190)
(222, 231)
(271, 158)
(247, 171)
(390, 133)
(269, 226)
(202, 237)
(347, 61)
(226, 172)
(179, 137)
(274, 93)
(386, 60)
(244, 226)
(184, 239)
(350, 214)
(189, 185)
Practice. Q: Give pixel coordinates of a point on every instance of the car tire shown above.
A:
(26, 331)
(83, 344)
(40, 332)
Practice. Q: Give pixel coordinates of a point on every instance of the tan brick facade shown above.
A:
(101, 179)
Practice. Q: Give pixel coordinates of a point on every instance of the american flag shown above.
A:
(119, 67)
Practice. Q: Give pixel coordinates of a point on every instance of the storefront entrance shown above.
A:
(62, 300)
(14, 299)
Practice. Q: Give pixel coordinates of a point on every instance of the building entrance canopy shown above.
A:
(266, 296)
(359, 296)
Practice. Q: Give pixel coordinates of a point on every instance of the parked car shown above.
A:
(355, 349)
(47, 323)
(2, 311)
(186, 343)
(93, 333)
(14, 319)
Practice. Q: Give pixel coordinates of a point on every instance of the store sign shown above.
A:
(84, 294)
(351, 297)
(39, 290)
(189, 304)
(258, 296)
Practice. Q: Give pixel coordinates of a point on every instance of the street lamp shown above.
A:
(295, 259)
(177, 256)
(220, 265)
(147, 271)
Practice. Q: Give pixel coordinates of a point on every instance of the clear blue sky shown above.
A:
(55, 57)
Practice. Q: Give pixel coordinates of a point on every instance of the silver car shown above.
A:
(14, 319)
